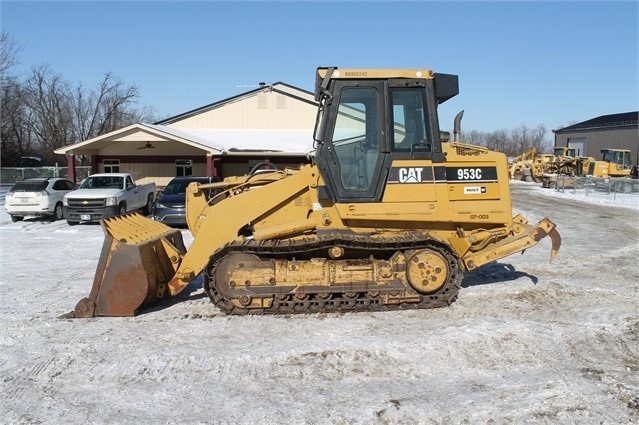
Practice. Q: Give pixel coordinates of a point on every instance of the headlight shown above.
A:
(65, 201)
(111, 201)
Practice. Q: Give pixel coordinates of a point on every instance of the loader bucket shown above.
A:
(139, 256)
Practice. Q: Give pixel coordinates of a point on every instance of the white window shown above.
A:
(111, 165)
(183, 167)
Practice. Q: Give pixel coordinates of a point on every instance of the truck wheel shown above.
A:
(122, 209)
(146, 210)
(58, 212)
(15, 218)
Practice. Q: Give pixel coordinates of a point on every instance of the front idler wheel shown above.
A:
(427, 271)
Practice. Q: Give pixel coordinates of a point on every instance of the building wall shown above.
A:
(160, 148)
(266, 110)
(158, 169)
(161, 169)
(241, 165)
(595, 140)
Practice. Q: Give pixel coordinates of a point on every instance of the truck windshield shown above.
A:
(102, 182)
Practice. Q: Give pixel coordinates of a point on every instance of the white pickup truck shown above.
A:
(107, 195)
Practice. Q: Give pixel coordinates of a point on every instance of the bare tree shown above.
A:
(538, 138)
(42, 112)
(474, 137)
(513, 142)
(523, 139)
(49, 117)
(105, 109)
(8, 53)
(14, 140)
(498, 141)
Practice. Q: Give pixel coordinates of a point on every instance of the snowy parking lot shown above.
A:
(527, 341)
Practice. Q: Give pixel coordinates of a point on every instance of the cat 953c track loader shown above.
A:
(388, 216)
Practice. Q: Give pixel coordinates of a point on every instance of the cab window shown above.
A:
(355, 137)
(409, 127)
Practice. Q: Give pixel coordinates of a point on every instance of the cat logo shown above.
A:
(410, 175)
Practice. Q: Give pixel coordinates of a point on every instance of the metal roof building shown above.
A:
(271, 123)
(616, 131)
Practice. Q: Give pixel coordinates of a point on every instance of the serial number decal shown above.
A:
(479, 216)
(476, 174)
(355, 74)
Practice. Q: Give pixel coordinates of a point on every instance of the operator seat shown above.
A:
(410, 136)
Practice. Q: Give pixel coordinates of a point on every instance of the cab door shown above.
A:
(351, 154)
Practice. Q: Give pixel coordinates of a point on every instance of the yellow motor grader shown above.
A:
(530, 166)
(573, 172)
(388, 216)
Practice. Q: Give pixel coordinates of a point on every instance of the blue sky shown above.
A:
(519, 63)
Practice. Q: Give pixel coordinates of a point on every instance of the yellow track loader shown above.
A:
(615, 163)
(389, 215)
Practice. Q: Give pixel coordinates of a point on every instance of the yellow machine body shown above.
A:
(614, 163)
(374, 223)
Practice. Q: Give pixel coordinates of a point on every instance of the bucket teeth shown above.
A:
(139, 257)
(134, 228)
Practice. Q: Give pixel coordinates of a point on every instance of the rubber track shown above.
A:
(316, 247)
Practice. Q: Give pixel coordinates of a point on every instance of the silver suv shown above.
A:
(39, 197)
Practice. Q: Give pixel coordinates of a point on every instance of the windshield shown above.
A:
(176, 187)
(565, 152)
(102, 182)
(29, 186)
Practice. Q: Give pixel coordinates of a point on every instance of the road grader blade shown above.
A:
(139, 257)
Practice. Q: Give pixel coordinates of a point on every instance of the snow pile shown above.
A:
(527, 341)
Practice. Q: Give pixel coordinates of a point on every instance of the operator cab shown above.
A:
(367, 119)
(621, 158)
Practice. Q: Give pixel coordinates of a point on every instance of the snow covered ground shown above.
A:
(526, 342)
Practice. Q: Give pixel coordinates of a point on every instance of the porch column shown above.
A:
(94, 164)
(71, 167)
(211, 166)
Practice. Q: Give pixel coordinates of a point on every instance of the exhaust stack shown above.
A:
(457, 126)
